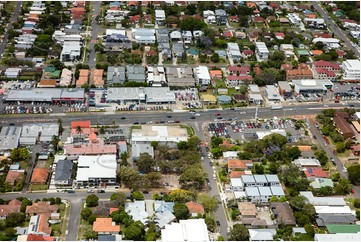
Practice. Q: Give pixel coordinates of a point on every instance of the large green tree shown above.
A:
(135, 231)
(239, 232)
(181, 211)
(354, 174)
(92, 200)
(145, 163)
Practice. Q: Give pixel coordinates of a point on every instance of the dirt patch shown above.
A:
(172, 180)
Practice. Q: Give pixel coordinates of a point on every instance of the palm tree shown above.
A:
(102, 130)
(55, 142)
(79, 130)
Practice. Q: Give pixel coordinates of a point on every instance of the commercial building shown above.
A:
(180, 76)
(351, 70)
(272, 94)
(94, 147)
(262, 51)
(311, 86)
(343, 127)
(9, 138)
(50, 95)
(186, 230)
(285, 89)
(202, 75)
(96, 170)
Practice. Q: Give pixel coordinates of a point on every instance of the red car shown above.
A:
(218, 114)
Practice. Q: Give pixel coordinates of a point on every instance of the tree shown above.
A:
(90, 235)
(194, 142)
(79, 130)
(309, 230)
(128, 176)
(216, 152)
(193, 177)
(145, 163)
(92, 200)
(216, 141)
(269, 76)
(182, 145)
(119, 197)
(340, 147)
(215, 58)
(55, 142)
(14, 219)
(239, 232)
(209, 203)
(10, 232)
(192, 24)
(91, 219)
(259, 169)
(211, 224)
(137, 196)
(134, 232)
(356, 203)
(354, 174)
(86, 213)
(343, 187)
(321, 156)
(181, 211)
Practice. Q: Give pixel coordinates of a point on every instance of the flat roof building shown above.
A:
(186, 230)
(9, 138)
(262, 51)
(96, 170)
(351, 70)
(202, 75)
(311, 86)
(165, 134)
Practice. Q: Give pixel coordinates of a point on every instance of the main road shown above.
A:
(134, 117)
(14, 18)
(335, 29)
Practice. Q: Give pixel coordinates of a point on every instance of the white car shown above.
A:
(197, 115)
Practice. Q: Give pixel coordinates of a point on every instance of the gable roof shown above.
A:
(236, 163)
(315, 172)
(236, 174)
(15, 175)
(194, 207)
(13, 207)
(247, 209)
(343, 228)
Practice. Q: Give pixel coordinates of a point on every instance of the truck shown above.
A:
(276, 107)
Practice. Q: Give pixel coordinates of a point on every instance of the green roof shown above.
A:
(321, 182)
(303, 52)
(56, 73)
(343, 228)
(49, 69)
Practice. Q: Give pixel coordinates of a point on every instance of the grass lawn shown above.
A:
(24, 165)
(34, 187)
(220, 84)
(101, 58)
(190, 130)
(347, 153)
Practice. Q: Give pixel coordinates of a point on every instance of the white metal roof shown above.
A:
(103, 166)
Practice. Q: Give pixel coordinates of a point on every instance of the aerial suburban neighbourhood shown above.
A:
(180, 121)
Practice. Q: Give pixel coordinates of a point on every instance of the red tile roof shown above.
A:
(323, 63)
(39, 237)
(105, 225)
(40, 175)
(41, 207)
(324, 71)
(239, 69)
(82, 124)
(237, 164)
(194, 207)
(258, 20)
(316, 172)
(236, 174)
(14, 176)
(134, 18)
(111, 210)
(247, 52)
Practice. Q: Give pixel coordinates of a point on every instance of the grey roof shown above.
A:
(220, 12)
(135, 69)
(261, 234)
(163, 32)
(272, 178)
(260, 178)
(248, 179)
(9, 137)
(324, 219)
(277, 191)
(140, 148)
(63, 170)
(44, 94)
(264, 191)
(300, 230)
(116, 74)
(178, 47)
(224, 98)
(252, 191)
(136, 77)
(176, 35)
(106, 237)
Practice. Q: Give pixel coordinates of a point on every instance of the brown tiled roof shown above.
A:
(13, 176)
(12, 207)
(43, 223)
(47, 83)
(105, 225)
(41, 207)
(195, 207)
(39, 237)
(283, 213)
(236, 163)
(40, 175)
(247, 209)
(343, 126)
(236, 174)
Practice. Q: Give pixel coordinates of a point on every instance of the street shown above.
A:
(14, 18)
(335, 29)
(95, 29)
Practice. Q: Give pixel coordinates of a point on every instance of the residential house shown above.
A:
(308, 162)
(315, 172)
(38, 224)
(12, 207)
(105, 226)
(224, 99)
(343, 127)
(247, 210)
(247, 53)
(156, 76)
(338, 237)
(355, 150)
(283, 213)
(187, 36)
(14, 176)
(186, 230)
(63, 173)
(262, 234)
(202, 75)
(66, 77)
(41, 208)
(216, 74)
(262, 51)
(195, 209)
(178, 50)
(221, 16)
(98, 78)
(71, 51)
(209, 17)
(115, 75)
(233, 50)
(236, 164)
(318, 183)
(136, 73)
(334, 215)
(83, 77)
(39, 176)
(144, 36)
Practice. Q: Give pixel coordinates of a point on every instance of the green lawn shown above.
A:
(35, 187)
(24, 165)
(220, 84)
(101, 58)
(347, 153)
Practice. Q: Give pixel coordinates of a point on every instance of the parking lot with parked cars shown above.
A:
(246, 129)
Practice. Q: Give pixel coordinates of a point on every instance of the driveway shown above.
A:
(29, 171)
